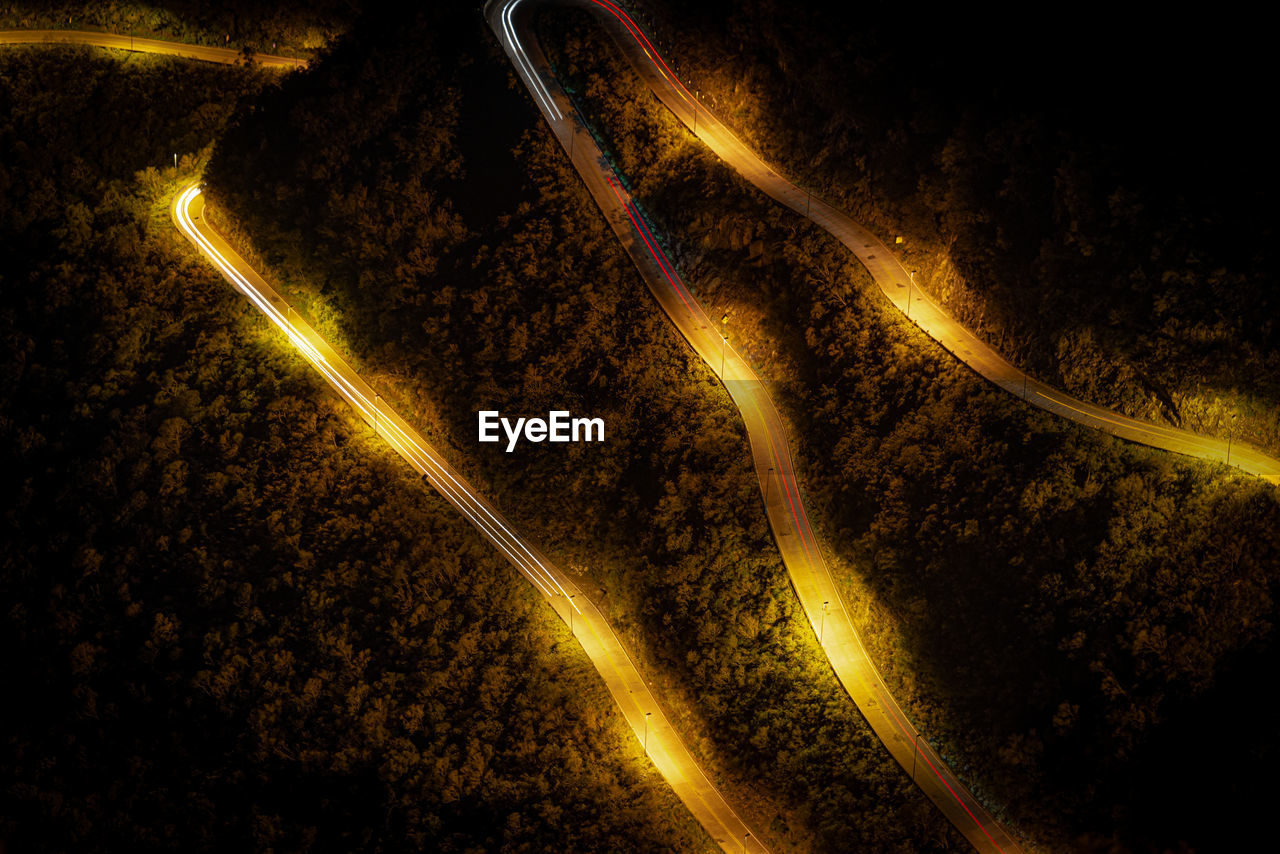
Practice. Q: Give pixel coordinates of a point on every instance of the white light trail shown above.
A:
(530, 74)
(412, 448)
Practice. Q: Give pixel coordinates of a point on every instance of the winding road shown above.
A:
(885, 268)
(223, 55)
(632, 694)
(511, 21)
(634, 697)
(801, 552)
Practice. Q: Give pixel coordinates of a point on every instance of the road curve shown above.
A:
(892, 278)
(223, 55)
(631, 693)
(784, 504)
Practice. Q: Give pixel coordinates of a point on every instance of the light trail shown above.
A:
(136, 44)
(359, 397)
(634, 698)
(651, 243)
(804, 561)
(957, 340)
(630, 692)
(530, 76)
(888, 272)
(650, 51)
(1120, 422)
(799, 515)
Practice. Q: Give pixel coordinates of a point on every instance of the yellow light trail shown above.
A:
(801, 552)
(368, 404)
(632, 694)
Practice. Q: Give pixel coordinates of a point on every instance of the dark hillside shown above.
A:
(1069, 616)
(1090, 191)
(364, 189)
(232, 620)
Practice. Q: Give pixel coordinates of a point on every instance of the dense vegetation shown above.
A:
(232, 619)
(1063, 191)
(288, 28)
(486, 279)
(1074, 617)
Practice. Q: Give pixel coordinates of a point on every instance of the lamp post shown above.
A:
(745, 837)
(646, 731)
(1231, 429)
(910, 282)
(915, 751)
(695, 112)
(822, 624)
(571, 598)
(724, 342)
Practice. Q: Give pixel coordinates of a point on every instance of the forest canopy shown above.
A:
(517, 297)
(1062, 189)
(261, 631)
(232, 619)
(1058, 607)
(286, 27)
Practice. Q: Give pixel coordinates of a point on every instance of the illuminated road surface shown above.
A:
(223, 55)
(632, 695)
(810, 576)
(888, 272)
(630, 692)
(817, 591)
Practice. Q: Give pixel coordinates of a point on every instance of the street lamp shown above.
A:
(915, 751)
(724, 342)
(911, 282)
(745, 837)
(571, 609)
(646, 731)
(1231, 429)
(822, 624)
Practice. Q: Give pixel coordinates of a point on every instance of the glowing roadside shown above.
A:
(632, 694)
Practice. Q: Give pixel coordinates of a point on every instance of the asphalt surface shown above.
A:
(632, 694)
(634, 697)
(223, 55)
(784, 504)
(800, 549)
(892, 278)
